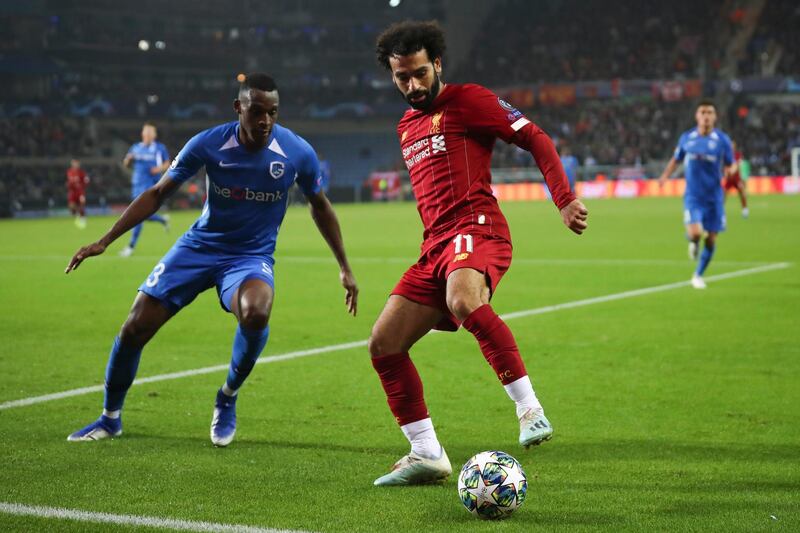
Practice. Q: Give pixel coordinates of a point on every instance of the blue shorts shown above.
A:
(709, 214)
(189, 269)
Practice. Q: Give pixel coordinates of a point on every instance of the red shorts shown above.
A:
(75, 197)
(732, 182)
(426, 281)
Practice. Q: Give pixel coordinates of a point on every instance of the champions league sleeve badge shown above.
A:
(276, 169)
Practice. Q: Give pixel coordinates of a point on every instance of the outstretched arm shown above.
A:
(325, 218)
(140, 209)
(538, 143)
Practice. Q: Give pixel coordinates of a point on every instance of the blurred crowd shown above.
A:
(571, 40)
(638, 133)
(774, 48)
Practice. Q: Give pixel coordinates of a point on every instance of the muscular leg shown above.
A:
(251, 304)
(468, 299)
(146, 317)
(401, 324)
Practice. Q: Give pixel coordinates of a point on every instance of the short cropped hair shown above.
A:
(258, 80)
(409, 37)
(706, 102)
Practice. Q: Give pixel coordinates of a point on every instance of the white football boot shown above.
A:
(126, 252)
(698, 282)
(413, 469)
(534, 428)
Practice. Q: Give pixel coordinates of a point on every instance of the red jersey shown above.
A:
(76, 180)
(447, 149)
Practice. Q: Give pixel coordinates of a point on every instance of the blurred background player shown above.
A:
(707, 154)
(570, 164)
(149, 159)
(324, 173)
(736, 180)
(250, 166)
(447, 139)
(77, 180)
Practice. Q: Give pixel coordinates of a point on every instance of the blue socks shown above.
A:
(123, 362)
(120, 371)
(137, 230)
(705, 259)
(247, 346)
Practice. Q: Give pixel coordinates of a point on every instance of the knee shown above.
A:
(382, 343)
(254, 317)
(137, 330)
(711, 240)
(462, 306)
(376, 345)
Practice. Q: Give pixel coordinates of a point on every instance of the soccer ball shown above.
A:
(492, 485)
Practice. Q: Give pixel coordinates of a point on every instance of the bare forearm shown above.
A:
(328, 224)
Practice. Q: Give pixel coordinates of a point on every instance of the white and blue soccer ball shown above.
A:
(492, 485)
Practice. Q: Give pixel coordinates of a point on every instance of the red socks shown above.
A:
(403, 387)
(497, 343)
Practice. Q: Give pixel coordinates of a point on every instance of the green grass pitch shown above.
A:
(673, 411)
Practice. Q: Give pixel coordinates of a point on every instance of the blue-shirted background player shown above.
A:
(250, 166)
(149, 159)
(570, 163)
(706, 152)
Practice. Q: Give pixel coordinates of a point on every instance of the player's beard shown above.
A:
(429, 97)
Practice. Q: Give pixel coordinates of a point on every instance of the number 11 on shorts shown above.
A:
(467, 239)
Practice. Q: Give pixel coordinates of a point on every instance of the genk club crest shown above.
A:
(276, 169)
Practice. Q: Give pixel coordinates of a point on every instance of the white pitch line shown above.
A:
(358, 344)
(641, 292)
(131, 520)
(183, 374)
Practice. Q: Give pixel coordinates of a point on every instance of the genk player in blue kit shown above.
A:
(250, 166)
(148, 159)
(706, 153)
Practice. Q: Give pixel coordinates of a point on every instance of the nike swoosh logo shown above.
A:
(223, 164)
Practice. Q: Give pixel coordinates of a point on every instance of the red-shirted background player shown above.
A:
(734, 181)
(447, 140)
(76, 192)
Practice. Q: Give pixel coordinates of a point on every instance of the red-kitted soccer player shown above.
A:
(447, 140)
(734, 181)
(76, 192)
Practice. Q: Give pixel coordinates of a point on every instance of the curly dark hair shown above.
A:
(409, 37)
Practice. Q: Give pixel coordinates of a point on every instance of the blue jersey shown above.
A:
(247, 192)
(325, 174)
(145, 157)
(570, 164)
(703, 157)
